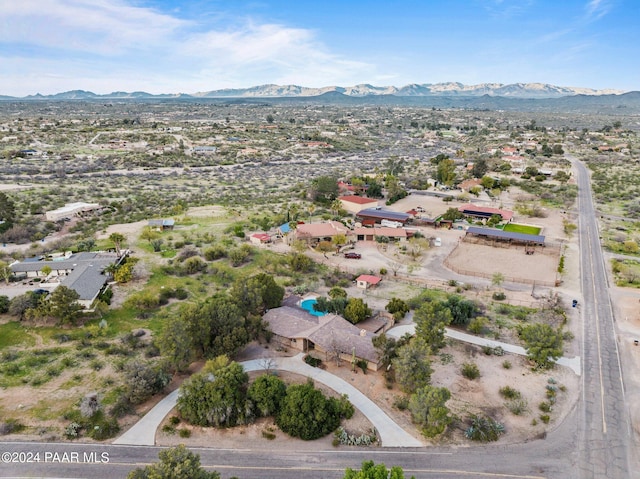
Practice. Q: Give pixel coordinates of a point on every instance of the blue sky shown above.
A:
(163, 46)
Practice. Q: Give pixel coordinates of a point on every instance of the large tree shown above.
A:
(217, 326)
(356, 310)
(176, 343)
(217, 398)
(267, 393)
(7, 212)
(412, 365)
(431, 319)
(428, 409)
(61, 305)
(543, 344)
(257, 293)
(306, 412)
(446, 172)
(462, 310)
(324, 189)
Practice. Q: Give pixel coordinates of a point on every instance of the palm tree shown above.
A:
(311, 208)
(110, 269)
(336, 206)
(117, 239)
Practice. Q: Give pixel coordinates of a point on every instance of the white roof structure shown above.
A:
(70, 209)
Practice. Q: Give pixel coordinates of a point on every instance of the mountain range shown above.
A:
(451, 89)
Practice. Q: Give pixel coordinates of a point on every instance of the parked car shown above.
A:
(352, 255)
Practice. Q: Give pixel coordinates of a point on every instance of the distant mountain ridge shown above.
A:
(450, 89)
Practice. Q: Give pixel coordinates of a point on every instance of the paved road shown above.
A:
(538, 461)
(605, 440)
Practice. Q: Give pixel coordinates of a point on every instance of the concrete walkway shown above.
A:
(390, 434)
(143, 433)
(399, 331)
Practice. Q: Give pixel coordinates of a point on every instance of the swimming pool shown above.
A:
(307, 305)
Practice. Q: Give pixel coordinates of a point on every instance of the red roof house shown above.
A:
(365, 281)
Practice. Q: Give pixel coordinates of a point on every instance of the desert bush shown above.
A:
(144, 379)
(484, 429)
(509, 393)
(517, 406)
(470, 371)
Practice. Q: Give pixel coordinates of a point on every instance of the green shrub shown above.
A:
(499, 296)
(545, 406)
(509, 393)
(401, 402)
(312, 361)
(518, 406)
(477, 324)
(184, 433)
(506, 364)
(545, 418)
(470, 371)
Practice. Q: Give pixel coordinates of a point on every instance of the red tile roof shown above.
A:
(360, 200)
(368, 278)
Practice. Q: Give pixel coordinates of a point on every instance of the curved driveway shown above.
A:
(143, 433)
(399, 331)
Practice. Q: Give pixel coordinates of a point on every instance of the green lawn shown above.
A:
(14, 334)
(518, 228)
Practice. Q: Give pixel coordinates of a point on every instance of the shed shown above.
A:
(366, 281)
(260, 238)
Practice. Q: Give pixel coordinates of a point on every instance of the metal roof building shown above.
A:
(380, 214)
(484, 212)
(506, 235)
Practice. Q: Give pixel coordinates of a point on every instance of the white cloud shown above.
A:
(111, 45)
(107, 27)
(596, 9)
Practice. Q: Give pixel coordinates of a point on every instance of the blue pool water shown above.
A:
(307, 305)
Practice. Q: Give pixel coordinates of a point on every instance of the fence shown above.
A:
(481, 274)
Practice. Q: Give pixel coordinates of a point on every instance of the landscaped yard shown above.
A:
(520, 228)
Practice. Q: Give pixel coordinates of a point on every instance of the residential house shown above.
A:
(330, 335)
(82, 272)
(353, 204)
(316, 232)
(369, 234)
